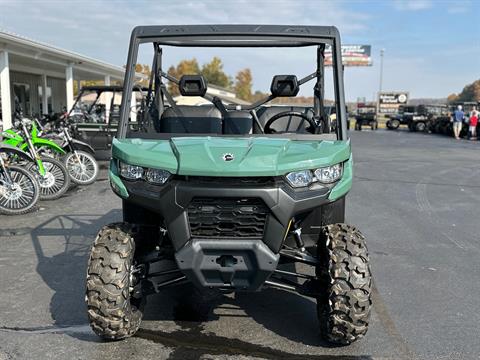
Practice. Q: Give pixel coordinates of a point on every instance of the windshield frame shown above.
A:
(238, 36)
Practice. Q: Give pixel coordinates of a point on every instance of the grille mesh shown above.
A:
(227, 217)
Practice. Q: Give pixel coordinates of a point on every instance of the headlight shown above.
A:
(135, 172)
(300, 178)
(329, 174)
(325, 175)
(131, 172)
(157, 176)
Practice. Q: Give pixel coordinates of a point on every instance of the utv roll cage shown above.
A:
(236, 36)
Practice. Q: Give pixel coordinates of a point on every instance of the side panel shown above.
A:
(324, 215)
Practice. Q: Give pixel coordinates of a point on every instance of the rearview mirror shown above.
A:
(284, 85)
(192, 85)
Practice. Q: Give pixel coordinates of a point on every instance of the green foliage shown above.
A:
(214, 74)
(243, 84)
(471, 92)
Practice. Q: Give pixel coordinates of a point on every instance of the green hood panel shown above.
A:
(147, 153)
(255, 156)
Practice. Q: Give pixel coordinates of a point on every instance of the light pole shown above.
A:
(382, 51)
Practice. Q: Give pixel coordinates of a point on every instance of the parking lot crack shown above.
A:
(51, 329)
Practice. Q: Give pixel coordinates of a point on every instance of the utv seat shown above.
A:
(238, 123)
(203, 119)
(287, 123)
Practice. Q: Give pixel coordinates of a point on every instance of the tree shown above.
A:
(214, 74)
(243, 84)
(470, 92)
(184, 67)
(452, 98)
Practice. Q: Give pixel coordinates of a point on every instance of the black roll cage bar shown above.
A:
(237, 36)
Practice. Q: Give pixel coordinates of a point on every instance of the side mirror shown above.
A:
(192, 85)
(284, 85)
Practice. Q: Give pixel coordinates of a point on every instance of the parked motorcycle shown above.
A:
(51, 174)
(79, 160)
(19, 189)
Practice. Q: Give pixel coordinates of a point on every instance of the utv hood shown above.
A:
(217, 156)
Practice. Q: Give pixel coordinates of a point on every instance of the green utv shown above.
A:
(231, 197)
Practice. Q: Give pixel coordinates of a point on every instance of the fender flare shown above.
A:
(80, 145)
(4, 148)
(38, 142)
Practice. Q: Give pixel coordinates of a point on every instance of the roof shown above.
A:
(21, 46)
(104, 88)
(242, 35)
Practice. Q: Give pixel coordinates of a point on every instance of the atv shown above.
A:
(400, 118)
(225, 196)
(366, 115)
(424, 117)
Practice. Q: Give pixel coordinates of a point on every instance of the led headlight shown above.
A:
(131, 172)
(300, 178)
(157, 176)
(329, 174)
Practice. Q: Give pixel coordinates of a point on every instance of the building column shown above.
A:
(44, 95)
(5, 90)
(108, 99)
(69, 85)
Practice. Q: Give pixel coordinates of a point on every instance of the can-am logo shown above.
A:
(228, 157)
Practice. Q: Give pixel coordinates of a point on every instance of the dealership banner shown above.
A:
(352, 55)
(389, 102)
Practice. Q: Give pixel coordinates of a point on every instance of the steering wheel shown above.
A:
(311, 129)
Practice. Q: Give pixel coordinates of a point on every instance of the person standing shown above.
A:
(458, 117)
(473, 124)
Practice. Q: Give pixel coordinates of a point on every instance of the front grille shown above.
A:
(227, 217)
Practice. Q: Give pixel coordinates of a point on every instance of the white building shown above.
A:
(42, 76)
(226, 95)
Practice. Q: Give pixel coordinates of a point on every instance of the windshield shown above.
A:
(232, 91)
(366, 109)
(100, 104)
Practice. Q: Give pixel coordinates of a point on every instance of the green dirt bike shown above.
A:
(19, 189)
(79, 159)
(51, 174)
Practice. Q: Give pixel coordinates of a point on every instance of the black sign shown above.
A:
(388, 102)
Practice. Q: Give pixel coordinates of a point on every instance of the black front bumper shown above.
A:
(242, 262)
(172, 200)
(227, 263)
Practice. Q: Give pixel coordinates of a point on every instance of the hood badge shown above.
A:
(228, 157)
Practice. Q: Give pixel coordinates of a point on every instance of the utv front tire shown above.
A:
(344, 301)
(113, 313)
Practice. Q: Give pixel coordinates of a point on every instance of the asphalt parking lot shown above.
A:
(416, 199)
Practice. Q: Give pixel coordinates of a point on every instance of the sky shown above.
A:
(431, 47)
